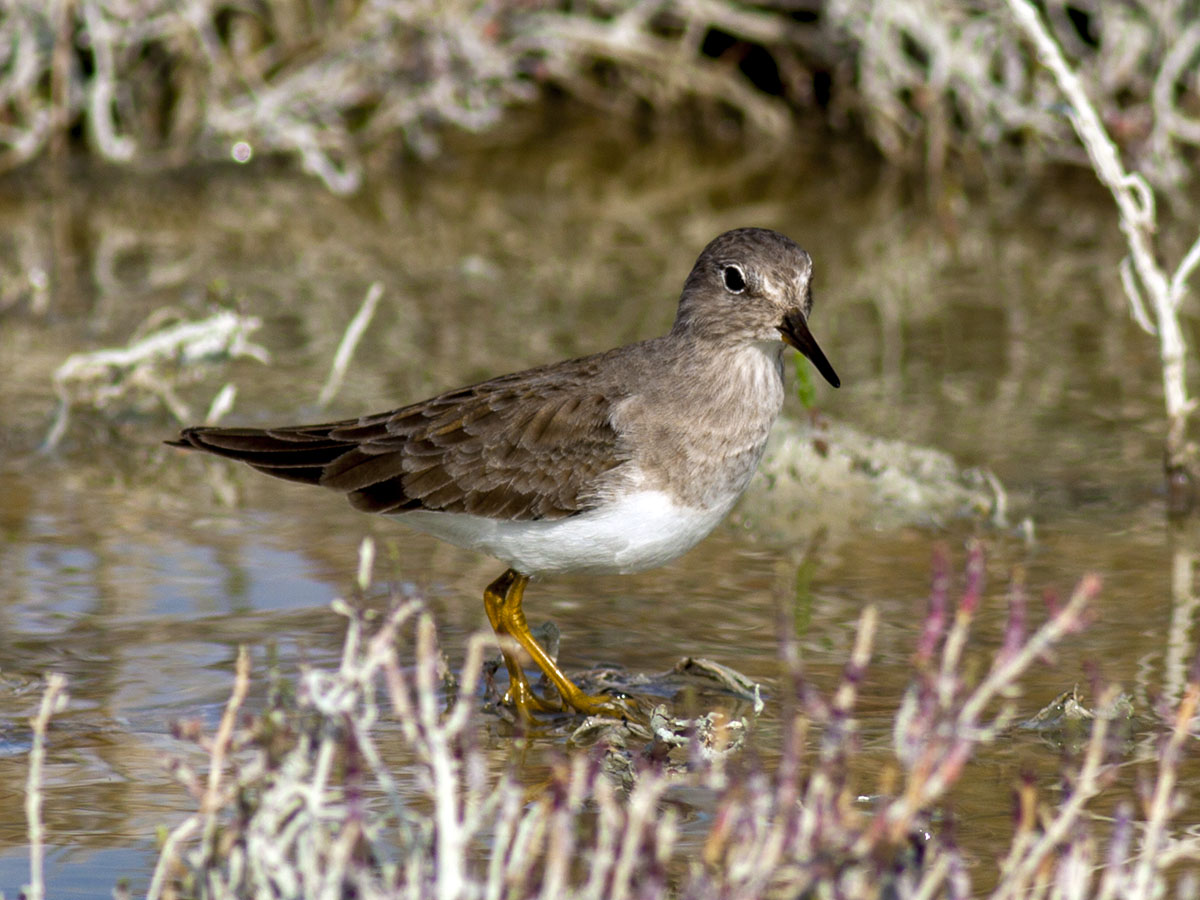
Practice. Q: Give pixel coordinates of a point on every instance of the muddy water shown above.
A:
(993, 328)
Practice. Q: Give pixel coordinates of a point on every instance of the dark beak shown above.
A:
(795, 332)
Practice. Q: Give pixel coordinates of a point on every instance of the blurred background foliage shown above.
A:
(339, 85)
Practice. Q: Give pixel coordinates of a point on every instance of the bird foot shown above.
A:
(528, 705)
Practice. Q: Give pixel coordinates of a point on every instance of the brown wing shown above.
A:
(523, 446)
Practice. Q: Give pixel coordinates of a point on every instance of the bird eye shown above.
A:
(735, 280)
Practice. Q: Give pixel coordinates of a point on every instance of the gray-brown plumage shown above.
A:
(531, 445)
(612, 462)
(522, 446)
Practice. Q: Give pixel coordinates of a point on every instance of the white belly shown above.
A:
(639, 531)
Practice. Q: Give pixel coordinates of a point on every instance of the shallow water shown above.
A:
(993, 328)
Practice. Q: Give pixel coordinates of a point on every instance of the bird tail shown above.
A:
(295, 454)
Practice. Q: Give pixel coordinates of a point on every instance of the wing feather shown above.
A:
(525, 446)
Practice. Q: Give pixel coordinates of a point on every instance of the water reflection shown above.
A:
(999, 335)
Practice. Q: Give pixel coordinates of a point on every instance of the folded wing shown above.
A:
(521, 447)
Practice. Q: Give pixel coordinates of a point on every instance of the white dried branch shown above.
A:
(345, 351)
(1137, 304)
(1179, 60)
(1135, 203)
(102, 88)
(221, 404)
(650, 62)
(151, 364)
(54, 700)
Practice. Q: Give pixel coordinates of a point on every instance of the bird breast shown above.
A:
(703, 443)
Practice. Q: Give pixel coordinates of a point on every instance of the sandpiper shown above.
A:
(615, 462)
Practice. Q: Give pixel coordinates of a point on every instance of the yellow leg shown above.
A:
(519, 693)
(502, 600)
